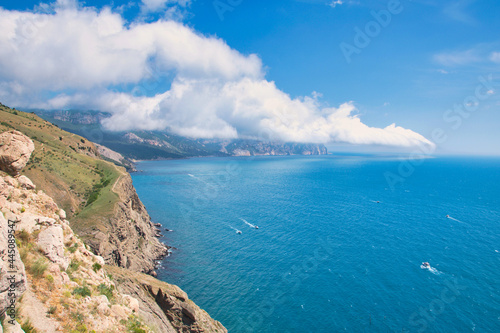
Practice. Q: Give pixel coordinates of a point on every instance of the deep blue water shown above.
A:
(327, 257)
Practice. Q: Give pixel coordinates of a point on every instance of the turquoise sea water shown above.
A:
(338, 248)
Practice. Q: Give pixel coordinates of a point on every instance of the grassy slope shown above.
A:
(62, 165)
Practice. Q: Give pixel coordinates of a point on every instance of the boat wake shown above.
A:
(454, 219)
(431, 269)
(249, 224)
(197, 178)
(237, 231)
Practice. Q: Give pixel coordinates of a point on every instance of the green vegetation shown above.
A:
(72, 267)
(134, 325)
(105, 290)
(27, 327)
(50, 278)
(96, 190)
(82, 291)
(38, 267)
(96, 267)
(80, 183)
(73, 248)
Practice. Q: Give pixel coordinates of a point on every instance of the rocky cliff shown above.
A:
(128, 238)
(67, 288)
(98, 196)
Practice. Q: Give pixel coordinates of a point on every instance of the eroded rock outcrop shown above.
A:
(164, 305)
(129, 239)
(63, 279)
(15, 151)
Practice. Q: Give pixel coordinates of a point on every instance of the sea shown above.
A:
(332, 243)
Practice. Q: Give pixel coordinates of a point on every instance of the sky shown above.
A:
(380, 75)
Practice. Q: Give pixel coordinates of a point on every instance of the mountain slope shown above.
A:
(99, 198)
(147, 145)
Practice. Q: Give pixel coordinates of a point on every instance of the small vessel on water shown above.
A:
(256, 227)
(425, 264)
(448, 216)
(238, 232)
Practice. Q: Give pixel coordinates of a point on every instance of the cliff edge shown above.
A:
(51, 282)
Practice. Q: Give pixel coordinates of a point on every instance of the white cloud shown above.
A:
(335, 3)
(157, 5)
(81, 57)
(456, 58)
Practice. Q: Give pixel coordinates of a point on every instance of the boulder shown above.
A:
(26, 183)
(131, 302)
(101, 299)
(50, 241)
(15, 151)
(11, 326)
(103, 309)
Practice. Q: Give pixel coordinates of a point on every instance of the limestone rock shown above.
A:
(26, 183)
(50, 241)
(103, 309)
(15, 151)
(11, 327)
(120, 311)
(101, 299)
(131, 302)
(62, 214)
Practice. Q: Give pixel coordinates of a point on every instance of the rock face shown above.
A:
(51, 243)
(15, 151)
(130, 239)
(63, 277)
(164, 305)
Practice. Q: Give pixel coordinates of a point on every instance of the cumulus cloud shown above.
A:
(81, 57)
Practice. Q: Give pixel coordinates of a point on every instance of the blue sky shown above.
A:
(415, 71)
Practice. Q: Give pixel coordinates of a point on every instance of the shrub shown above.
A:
(105, 290)
(82, 291)
(27, 327)
(73, 248)
(96, 267)
(73, 266)
(23, 236)
(50, 278)
(38, 267)
(134, 325)
(52, 310)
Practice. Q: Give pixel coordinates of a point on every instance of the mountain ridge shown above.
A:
(151, 145)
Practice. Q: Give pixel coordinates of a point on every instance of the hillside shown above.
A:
(148, 145)
(50, 281)
(61, 286)
(98, 196)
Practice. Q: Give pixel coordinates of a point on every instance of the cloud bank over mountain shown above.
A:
(163, 75)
